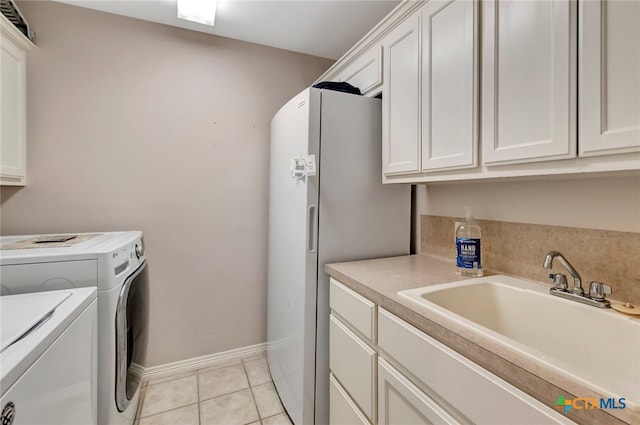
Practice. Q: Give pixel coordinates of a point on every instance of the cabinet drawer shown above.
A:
(342, 410)
(353, 363)
(358, 311)
(401, 402)
(365, 72)
(475, 392)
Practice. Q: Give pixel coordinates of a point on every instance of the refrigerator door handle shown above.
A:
(312, 227)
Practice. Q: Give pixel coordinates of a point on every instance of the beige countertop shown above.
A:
(380, 280)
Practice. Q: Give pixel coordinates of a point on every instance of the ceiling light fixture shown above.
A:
(200, 11)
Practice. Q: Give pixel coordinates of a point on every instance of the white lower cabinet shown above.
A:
(402, 376)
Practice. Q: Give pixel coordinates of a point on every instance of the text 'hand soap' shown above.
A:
(469, 252)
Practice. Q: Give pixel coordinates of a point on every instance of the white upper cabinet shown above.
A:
(449, 84)
(492, 89)
(430, 94)
(401, 99)
(609, 91)
(13, 110)
(528, 80)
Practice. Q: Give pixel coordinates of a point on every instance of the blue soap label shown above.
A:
(468, 253)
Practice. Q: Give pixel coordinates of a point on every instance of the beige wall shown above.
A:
(135, 125)
(603, 203)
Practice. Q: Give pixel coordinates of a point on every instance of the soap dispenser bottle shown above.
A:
(469, 252)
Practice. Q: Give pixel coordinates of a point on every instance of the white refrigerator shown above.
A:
(327, 204)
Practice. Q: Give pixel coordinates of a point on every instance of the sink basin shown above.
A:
(597, 346)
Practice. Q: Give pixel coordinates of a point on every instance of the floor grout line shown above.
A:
(143, 394)
(253, 396)
(198, 394)
(165, 411)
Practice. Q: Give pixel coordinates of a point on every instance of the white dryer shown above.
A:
(48, 357)
(114, 262)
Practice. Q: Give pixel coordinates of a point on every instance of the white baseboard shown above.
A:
(189, 365)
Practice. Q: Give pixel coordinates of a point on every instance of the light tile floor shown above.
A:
(240, 392)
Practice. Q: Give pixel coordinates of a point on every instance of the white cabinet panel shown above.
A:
(528, 94)
(342, 410)
(449, 84)
(609, 77)
(13, 108)
(353, 363)
(401, 99)
(401, 402)
(357, 311)
(365, 72)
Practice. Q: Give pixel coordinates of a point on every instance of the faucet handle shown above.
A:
(559, 281)
(598, 290)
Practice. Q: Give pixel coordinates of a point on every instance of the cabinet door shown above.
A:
(528, 83)
(342, 410)
(609, 77)
(401, 99)
(449, 84)
(401, 402)
(13, 109)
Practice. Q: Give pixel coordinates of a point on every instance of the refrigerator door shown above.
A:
(292, 257)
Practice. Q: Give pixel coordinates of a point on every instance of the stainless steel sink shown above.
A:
(598, 346)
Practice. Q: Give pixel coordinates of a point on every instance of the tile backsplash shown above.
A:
(519, 249)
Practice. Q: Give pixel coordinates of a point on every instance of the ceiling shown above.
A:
(325, 28)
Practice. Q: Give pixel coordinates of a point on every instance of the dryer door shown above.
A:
(132, 316)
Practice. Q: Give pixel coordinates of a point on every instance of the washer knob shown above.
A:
(139, 250)
(8, 413)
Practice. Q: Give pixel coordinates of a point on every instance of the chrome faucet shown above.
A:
(577, 280)
(597, 291)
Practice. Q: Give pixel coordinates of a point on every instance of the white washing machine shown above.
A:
(48, 357)
(113, 262)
